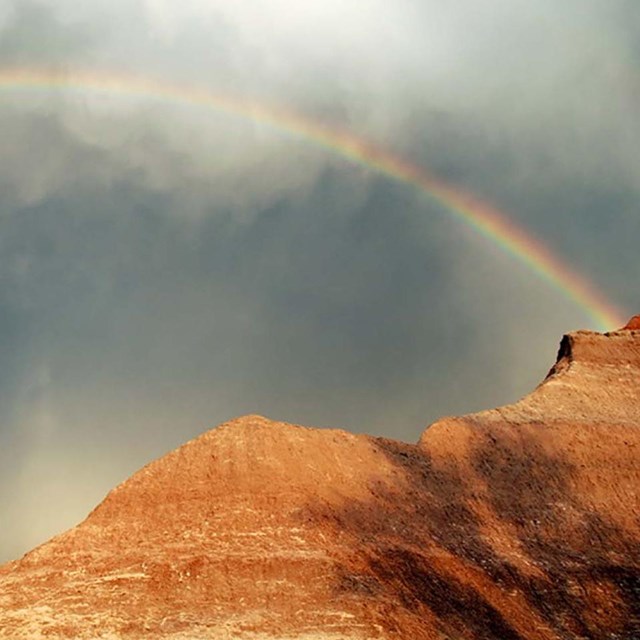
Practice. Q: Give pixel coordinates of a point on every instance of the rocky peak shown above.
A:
(595, 379)
(518, 523)
(616, 348)
(633, 324)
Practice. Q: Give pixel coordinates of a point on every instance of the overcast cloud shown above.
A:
(164, 267)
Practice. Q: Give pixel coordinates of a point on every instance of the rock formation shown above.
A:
(517, 523)
(632, 325)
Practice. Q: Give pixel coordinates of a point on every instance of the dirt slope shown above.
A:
(517, 523)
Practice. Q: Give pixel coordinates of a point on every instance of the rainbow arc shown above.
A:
(485, 219)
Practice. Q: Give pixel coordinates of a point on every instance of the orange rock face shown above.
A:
(633, 324)
(519, 523)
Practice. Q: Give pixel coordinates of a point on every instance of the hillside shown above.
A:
(521, 522)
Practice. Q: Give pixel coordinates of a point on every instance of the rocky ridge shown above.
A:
(517, 523)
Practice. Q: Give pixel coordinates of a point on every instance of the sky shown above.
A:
(166, 266)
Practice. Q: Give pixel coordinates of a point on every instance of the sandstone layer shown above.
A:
(519, 523)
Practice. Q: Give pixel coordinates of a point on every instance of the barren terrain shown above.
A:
(521, 522)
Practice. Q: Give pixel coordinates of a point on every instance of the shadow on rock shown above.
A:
(424, 543)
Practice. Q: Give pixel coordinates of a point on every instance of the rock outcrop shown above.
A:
(633, 324)
(521, 522)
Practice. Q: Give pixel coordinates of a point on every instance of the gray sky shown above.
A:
(164, 268)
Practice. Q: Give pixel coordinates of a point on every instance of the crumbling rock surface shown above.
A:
(518, 523)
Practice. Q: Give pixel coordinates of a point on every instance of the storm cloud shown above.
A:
(166, 267)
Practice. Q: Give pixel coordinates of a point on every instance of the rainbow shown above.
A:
(485, 219)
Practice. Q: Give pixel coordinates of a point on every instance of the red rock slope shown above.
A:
(516, 523)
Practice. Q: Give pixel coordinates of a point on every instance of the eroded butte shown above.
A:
(517, 523)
